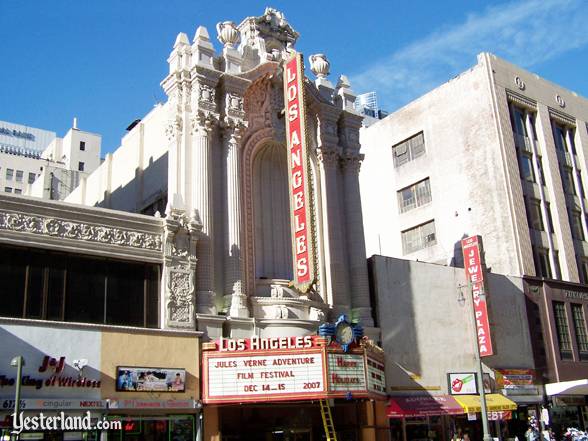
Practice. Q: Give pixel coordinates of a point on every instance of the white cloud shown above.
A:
(524, 32)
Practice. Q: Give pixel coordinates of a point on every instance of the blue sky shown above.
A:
(102, 61)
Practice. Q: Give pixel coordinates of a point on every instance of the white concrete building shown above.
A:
(496, 151)
(38, 163)
(214, 158)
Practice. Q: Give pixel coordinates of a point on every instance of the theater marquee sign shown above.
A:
(288, 369)
(299, 174)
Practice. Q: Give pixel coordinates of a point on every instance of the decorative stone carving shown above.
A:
(316, 314)
(173, 129)
(180, 303)
(228, 34)
(234, 106)
(560, 101)
(319, 65)
(78, 231)
(519, 82)
(202, 121)
(181, 236)
(281, 312)
(351, 161)
(277, 291)
(206, 97)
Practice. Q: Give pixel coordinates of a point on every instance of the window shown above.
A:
(534, 214)
(81, 166)
(9, 174)
(19, 175)
(576, 224)
(542, 265)
(8, 189)
(580, 330)
(54, 286)
(32, 177)
(408, 150)
(583, 269)
(563, 335)
(567, 180)
(17, 191)
(549, 218)
(526, 168)
(414, 196)
(518, 121)
(82, 145)
(419, 237)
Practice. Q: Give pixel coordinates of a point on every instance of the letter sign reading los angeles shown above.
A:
(300, 199)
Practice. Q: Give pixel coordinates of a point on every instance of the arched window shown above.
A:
(271, 212)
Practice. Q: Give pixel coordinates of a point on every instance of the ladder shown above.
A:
(328, 420)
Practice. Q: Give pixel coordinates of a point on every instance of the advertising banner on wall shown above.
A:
(286, 369)
(473, 265)
(299, 174)
(149, 379)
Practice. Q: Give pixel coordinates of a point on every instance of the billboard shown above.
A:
(148, 379)
(471, 247)
(299, 174)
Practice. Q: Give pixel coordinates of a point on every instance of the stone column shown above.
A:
(336, 267)
(233, 275)
(358, 274)
(202, 210)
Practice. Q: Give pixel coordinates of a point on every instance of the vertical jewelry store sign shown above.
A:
(299, 174)
(472, 259)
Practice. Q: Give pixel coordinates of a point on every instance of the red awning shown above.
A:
(423, 405)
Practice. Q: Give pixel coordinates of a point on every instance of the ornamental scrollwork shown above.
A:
(181, 301)
(78, 231)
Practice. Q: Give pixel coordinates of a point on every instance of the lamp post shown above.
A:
(483, 408)
(17, 362)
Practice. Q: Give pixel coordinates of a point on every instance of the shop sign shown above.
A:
(150, 404)
(346, 372)
(516, 380)
(463, 383)
(52, 374)
(500, 415)
(475, 275)
(54, 403)
(376, 376)
(299, 179)
(145, 379)
(576, 295)
(269, 343)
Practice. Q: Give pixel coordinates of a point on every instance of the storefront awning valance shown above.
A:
(494, 403)
(422, 405)
(576, 387)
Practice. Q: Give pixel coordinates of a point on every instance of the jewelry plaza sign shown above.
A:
(300, 196)
(471, 247)
(288, 369)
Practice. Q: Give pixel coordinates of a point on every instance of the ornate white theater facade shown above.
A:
(214, 162)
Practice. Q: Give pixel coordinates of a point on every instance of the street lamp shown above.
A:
(17, 362)
(484, 411)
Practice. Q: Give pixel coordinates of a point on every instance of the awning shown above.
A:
(494, 403)
(576, 387)
(422, 405)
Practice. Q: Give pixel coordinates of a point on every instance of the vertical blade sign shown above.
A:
(300, 201)
(475, 276)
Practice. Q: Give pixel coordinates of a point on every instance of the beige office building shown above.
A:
(496, 151)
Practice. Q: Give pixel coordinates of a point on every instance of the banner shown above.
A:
(475, 275)
(145, 379)
(299, 174)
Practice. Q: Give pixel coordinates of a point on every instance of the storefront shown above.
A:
(272, 388)
(148, 380)
(426, 417)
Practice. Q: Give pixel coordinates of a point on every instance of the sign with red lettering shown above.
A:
(475, 274)
(234, 377)
(287, 369)
(299, 174)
